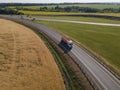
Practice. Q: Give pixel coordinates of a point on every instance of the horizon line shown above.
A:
(58, 2)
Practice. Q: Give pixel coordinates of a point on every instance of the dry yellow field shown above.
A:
(25, 61)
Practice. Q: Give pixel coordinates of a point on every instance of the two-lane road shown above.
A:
(97, 73)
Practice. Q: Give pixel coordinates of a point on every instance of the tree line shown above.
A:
(10, 11)
(47, 4)
(71, 9)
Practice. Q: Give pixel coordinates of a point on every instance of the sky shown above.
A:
(55, 1)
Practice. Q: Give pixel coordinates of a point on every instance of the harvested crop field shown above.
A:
(25, 62)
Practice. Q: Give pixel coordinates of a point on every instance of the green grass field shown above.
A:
(80, 18)
(98, 6)
(103, 40)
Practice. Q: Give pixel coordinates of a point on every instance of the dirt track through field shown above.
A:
(25, 62)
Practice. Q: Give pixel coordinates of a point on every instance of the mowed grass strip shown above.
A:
(80, 18)
(25, 61)
(104, 40)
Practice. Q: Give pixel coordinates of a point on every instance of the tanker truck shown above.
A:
(66, 44)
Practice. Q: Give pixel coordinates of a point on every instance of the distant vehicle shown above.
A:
(27, 15)
(21, 17)
(33, 19)
(66, 44)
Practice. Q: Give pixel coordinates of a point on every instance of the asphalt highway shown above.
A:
(99, 76)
